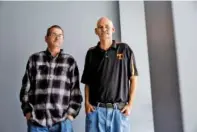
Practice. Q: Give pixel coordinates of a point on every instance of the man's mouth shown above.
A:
(104, 33)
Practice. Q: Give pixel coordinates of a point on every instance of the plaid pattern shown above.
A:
(50, 88)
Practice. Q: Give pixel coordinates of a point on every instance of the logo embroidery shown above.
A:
(120, 56)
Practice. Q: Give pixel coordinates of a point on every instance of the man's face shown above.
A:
(55, 38)
(104, 29)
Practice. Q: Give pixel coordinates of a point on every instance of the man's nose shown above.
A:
(104, 29)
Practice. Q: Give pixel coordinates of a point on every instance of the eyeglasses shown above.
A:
(54, 35)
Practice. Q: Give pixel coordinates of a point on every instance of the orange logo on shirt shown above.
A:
(120, 56)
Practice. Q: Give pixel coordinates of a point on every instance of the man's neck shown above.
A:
(105, 44)
(54, 51)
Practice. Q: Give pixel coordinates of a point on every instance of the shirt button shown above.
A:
(106, 55)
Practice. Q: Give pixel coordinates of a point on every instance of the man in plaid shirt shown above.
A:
(50, 94)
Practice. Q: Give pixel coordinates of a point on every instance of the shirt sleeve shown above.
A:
(86, 72)
(132, 70)
(26, 81)
(75, 96)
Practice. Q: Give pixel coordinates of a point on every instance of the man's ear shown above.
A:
(95, 30)
(113, 30)
(46, 39)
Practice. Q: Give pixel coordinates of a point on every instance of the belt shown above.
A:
(34, 123)
(111, 105)
(38, 125)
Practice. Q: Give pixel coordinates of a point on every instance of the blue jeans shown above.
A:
(107, 120)
(64, 126)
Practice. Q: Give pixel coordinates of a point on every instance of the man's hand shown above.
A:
(70, 117)
(126, 110)
(89, 108)
(28, 116)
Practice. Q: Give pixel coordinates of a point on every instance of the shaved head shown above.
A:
(104, 29)
(105, 20)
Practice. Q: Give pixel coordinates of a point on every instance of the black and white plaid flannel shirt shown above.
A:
(50, 88)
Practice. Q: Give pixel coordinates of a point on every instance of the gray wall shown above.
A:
(163, 67)
(185, 20)
(22, 29)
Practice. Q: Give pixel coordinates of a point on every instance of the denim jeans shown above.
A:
(64, 126)
(107, 120)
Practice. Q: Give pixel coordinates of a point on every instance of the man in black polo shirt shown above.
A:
(110, 77)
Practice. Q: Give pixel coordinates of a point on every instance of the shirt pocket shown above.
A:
(42, 71)
(62, 74)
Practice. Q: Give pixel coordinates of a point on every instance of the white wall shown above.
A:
(185, 27)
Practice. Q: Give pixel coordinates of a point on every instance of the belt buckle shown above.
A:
(109, 105)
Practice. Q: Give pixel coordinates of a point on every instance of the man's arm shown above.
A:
(88, 107)
(86, 91)
(75, 95)
(133, 73)
(133, 85)
(25, 106)
(86, 79)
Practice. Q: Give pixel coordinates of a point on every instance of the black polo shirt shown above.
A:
(107, 73)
